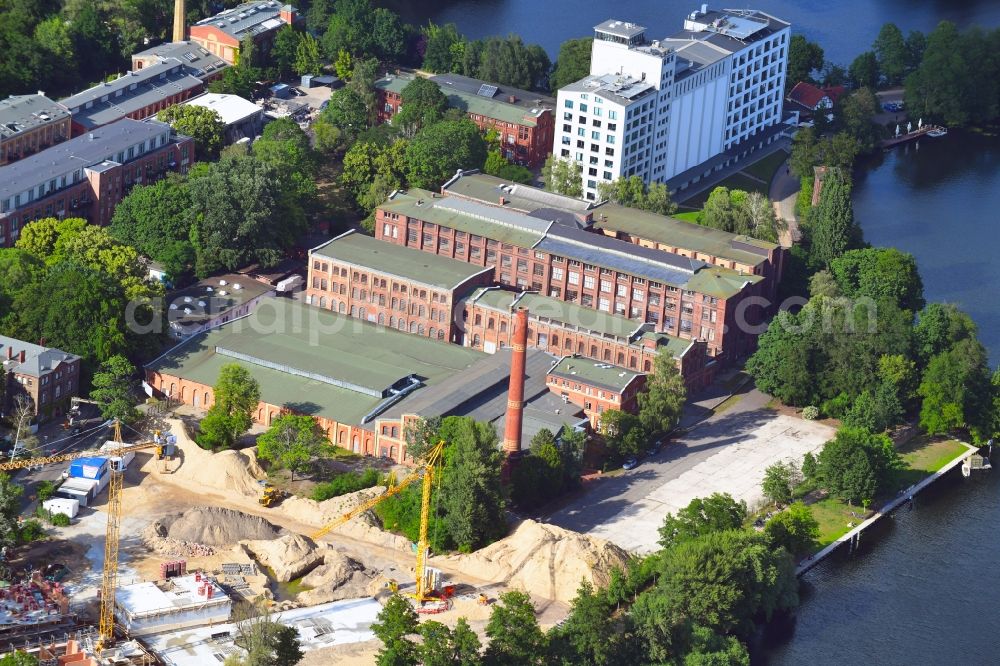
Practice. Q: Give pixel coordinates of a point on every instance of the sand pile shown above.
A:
(236, 471)
(365, 527)
(544, 560)
(290, 557)
(339, 577)
(200, 530)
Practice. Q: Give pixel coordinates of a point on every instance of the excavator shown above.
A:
(109, 579)
(425, 589)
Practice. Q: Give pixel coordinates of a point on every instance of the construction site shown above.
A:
(166, 540)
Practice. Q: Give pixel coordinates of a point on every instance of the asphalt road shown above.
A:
(602, 500)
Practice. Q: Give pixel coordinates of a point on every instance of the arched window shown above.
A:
(568, 344)
(579, 347)
(322, 302)
(503, 327)
(342, 308)
(555, 341)
(441, 335)
(432, 332)
(392, 322)
(354, 310)
(183, 393)
(476, 341)
(413, 327)
(631, 362)
(362, 314)
(395, 431)
(206, 399)
(420, 329)
(607, 354)
(479, 319)
(402, 324)
(356, 444)
(490, 323)
(381, 319)
(621, 358)
(593, 351)
(647, 365)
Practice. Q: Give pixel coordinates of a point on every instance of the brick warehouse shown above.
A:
(391, 285)
(596, 386)
(29, 124)
(523, 119)
(87, 176)
(565, 329)
(552, 252)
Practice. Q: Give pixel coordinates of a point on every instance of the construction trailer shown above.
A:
(180, 602)
(125, 459)
(69, 507)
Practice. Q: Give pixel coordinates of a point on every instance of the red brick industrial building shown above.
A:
(29, 124)
(76, 178)
(48, 377)
(523, 119)
(221, 34)
(595, 386)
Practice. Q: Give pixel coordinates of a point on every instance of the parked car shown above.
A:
(297, 92)
(630, 463)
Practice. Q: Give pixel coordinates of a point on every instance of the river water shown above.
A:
(925, 588)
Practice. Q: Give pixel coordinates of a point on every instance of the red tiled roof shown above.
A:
(834, 92)
(806, 94)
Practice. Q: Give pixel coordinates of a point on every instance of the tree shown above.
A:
(350, 28)
(832, 221)
(890, 50)
(795, 529)
(661, 403)
(266, 642)
(202, 124)
(507, 62)
(863, 71)
(443, 44)
(54, 38)
(855, 113)
(291, 442)
(238, 80)
(882, 274)
(388, 35)
(634, 193)
(112, 389)
(939, 327)
(346, 111)
(307, 56)
(572, 64)
(344, 65)
(285, 146)
(372, 171)
(916, 43)
(588, 635)
(538, 477)
(10, 510)
(243, 214)
(156, 220)
(442, 646)
(740, 212)
(237, 395)
(777, 483)
(784, 364)
(18, 658)
(956, 391)
(804, 57)
(875, 410)
(623, 433)
(856, 464)
(285, 49)
(716, 513)
(395, 622)
(438, 151)
(936, 89)
(563, 176)
(515, 638)
(423, 105)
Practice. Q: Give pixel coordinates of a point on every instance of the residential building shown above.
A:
(564, 329)
(524, 120)
(221, 34)
(243, 119)
(354, 377)
(719, 248)
(48, 377)
(197, 60)
(138, 94)
(394, 286)
(811, 99)
(213, 302)
(596, 386)
(551, 251)
(88, 175)
(662, 108)
(29, 124)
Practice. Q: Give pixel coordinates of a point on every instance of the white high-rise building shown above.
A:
(658, 108)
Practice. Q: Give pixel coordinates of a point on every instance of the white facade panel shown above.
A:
(697, 127)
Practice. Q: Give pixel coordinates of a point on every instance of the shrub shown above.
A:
(810, 413)
(347, 482)
(31, 530)
(45, 490)
(59, 519)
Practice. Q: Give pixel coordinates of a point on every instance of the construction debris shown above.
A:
(544, 560)
(213, 526)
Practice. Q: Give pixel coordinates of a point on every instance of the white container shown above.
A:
(70, 507)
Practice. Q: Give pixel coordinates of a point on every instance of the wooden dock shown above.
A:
(890, 506)
(910, 136)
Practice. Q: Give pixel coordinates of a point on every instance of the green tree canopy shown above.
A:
(444, 47)
(395, 623)
(515, 638)
(563, 176)
(832, 221)
(438, 151)
(882, 274)
(804, 58)
(856, 464)
(777, 483)
(112, 389)
(284, 49)
(662, 401)
(890, 50)
(864, 70)
(237, 394)
(795, 529)
(202, 124)
(623, 433)
(291, 442)
(572, 63)
(635, 193)
(716, 513)
(156, 220)
(956, 391)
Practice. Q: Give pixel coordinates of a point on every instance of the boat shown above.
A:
(937, 131)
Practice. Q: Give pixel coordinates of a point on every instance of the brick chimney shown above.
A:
(515, 395)
(21, 359)
(287, 14)
(180, 26)
(10, 352)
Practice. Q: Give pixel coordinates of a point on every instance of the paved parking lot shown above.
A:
(727, 453)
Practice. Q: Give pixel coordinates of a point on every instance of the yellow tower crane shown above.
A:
(106, 625)
(425, 471)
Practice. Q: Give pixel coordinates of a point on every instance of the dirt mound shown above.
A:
(339, 577)
(544, 560)
(214, 526)
(290, 557)
(236, 471)
(365, 527)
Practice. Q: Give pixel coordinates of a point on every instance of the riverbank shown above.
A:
(923, 456)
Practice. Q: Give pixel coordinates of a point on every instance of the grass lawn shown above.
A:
(728, 404)
(767, 167)
(689, 216)
(923, 454)
(833, 517)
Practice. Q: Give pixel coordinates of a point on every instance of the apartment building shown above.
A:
(197, 60)
(595, 386)
(48, 377)
(221, 34)
(523, 119)
(660, 108)
(565, 329)
(381, 282)
(87, 176)
(138, 94)
(30, 123)
(551, 251)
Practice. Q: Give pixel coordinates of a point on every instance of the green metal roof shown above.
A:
(364, 251)
(720, 282)
(393, 83)
(295, 339)
(594, 373)
(681, 234)
(408, 203)
(468, 102)
(485, 188)
(576, 316)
